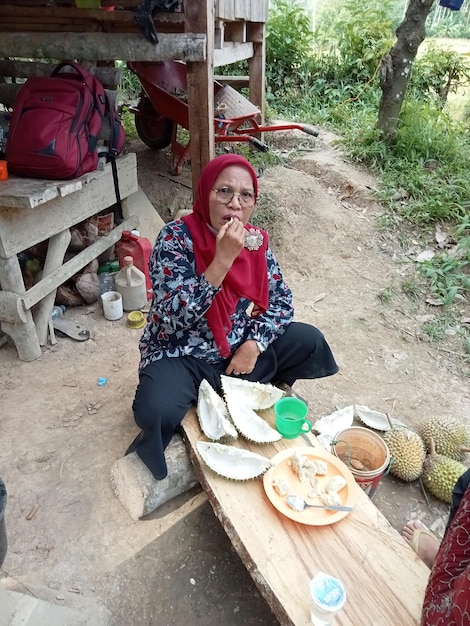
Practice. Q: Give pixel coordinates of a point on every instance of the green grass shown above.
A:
(434, 329)
(385, 295)
(412, 290)
(128, 122)
(445, 324)
(448, 278)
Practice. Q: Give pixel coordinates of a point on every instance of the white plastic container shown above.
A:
(327, 597)
(130, 282)
(112, 305)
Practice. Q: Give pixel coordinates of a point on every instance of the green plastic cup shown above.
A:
(291, 417)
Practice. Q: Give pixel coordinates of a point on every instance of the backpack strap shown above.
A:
(80, 71)
(118, 215)
(112, 154)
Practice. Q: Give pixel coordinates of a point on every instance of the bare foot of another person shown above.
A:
(422, 540)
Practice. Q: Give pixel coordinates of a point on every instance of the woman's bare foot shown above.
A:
(422, 540)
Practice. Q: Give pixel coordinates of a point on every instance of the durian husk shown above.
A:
(68, 296)
(440, 473)
(407, 452)
(83, 235)
(451, 437)
(88, 286)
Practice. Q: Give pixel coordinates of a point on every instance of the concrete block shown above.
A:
(19, 609)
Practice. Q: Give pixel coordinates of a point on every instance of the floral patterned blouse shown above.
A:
(176, 324)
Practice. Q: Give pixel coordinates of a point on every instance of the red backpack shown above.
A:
(55, 124)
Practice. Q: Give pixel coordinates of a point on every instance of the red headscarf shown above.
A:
(248, 276)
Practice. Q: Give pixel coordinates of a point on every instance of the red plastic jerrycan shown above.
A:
(139, 248)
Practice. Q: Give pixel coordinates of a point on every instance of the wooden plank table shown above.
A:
(35, 210)
(384, 579)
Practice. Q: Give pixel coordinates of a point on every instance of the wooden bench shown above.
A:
(35, 210)
(384, 579)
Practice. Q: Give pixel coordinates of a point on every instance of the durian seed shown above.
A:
(357, 464)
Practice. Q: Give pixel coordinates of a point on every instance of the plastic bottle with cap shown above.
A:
(139, 248)
(58, 311)
(130, 283)
(327, 598)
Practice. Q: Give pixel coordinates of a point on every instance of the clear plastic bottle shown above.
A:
(107, 281)
(4, 126)
(328, 596)
(58, 311)
(130, 282)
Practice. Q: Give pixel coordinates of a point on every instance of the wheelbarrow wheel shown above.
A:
(155, 130)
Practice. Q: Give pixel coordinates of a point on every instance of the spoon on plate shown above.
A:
(298, 504)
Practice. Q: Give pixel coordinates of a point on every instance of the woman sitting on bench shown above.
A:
(220, 306)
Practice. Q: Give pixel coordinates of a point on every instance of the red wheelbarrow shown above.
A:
(163, 107)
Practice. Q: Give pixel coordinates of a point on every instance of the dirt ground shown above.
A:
(70, 540)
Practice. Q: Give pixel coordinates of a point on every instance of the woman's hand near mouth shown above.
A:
(229, 243)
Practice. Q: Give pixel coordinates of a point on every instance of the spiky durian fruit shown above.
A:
(440, 473)
(407, 452)
(451, 437)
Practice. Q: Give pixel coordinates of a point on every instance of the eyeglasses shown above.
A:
(226, 194)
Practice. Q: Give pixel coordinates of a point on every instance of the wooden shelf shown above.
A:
(204, 34)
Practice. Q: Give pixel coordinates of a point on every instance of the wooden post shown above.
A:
(23, 334)
(11, 308)
(199, 18)
(256, 69)
(56, 249)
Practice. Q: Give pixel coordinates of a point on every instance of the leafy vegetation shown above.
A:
(439, 72)
(130, 85)
(288, 41)
(127, 119)
(331, 79)
(445, 23)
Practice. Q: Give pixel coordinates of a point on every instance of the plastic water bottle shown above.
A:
(58, 311)
(107, 281)
(4, 126)
(328, 596)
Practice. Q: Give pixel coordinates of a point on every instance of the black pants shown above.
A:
(459, 489)
(167, 388)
